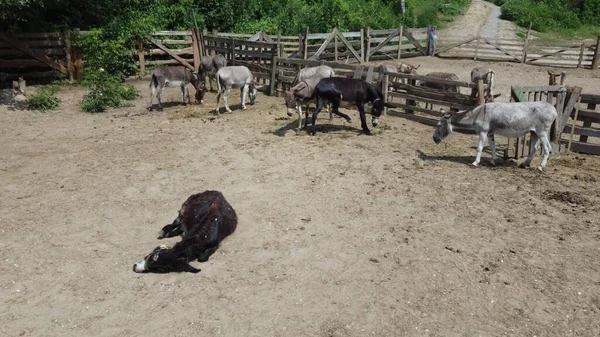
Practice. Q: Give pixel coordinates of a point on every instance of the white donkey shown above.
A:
(508, 119)
(235, 77)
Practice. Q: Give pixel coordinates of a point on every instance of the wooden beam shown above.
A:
(384, 42)
(349, 46)
(400, 34)
(564, 115)
(581, 52)
(324, 45)
(596, 59)
(196, 50)
(525, 43)
(500, 49)
(416, 43)
(368, 44)
(38, 56)
(458, 44)
(172, 54)
(66, 34)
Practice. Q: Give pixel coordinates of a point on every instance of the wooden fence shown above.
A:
(39, 55)
(575, 54)
(587, 126)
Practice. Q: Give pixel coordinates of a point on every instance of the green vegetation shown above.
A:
(105, 91)
(559, 19)
(44, 99)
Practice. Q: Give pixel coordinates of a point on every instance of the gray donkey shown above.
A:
(209, 65)
(171, 77)
(508, 119)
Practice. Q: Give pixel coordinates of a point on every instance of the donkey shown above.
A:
(301, 93)
(209, 65)
(488, 76)
(399, 67)
(435, 85)
(334, 90)
(313, 72)
(204, 220)
(508, 119)
(176, 76)
(235, 77)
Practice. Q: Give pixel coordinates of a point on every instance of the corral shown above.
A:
(339, 234)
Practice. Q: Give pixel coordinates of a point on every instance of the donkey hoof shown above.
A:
(492, 163)
(541, 169)
(474, 164)
(523, 165)
(150, 108)
(243, 107)
(160, 109)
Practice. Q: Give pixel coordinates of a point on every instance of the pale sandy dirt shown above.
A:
(481, 18)
(404, 237)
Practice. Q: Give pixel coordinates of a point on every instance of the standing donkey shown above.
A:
(235, 77)
(172, 77)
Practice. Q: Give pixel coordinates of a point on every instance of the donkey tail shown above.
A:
(154, 81)
(218, 78)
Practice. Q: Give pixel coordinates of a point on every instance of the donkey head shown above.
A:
(163, 260)
(253, 91)
(443, 128)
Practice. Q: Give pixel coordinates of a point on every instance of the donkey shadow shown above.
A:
(169, 104)
(500, 161)
(320, 128)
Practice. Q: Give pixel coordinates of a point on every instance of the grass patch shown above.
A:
(44, 99)
(105, 91)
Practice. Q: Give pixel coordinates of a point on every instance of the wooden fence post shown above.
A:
(273, 74)
(305, 56)
(587, 122)
(367, 43)
(480, 92)
(581, 51)
(76, 58)
(196, 50)
(384, 90)
(476, 48)
(400, 36)
(596, 55)
(362, 45)
(335, 48)
(66, 35)
(279, 45)
(525, 43)
(232, 46)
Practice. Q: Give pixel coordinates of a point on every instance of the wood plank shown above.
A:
(387, 40)
(500, 49)
(393, 77)
(414, 41)
(593, 115)
(173, 32)
(162, 62)
(453, 105)
(590, 98)
(441, 50)
(562, 120)
(324, 45)
(441, 95)
(518, 95)
(585, 148)
(246, 43)
(344, 41)
(27, 50)
(183, 62)
(183, 51)
(585, 131)
(174, 42)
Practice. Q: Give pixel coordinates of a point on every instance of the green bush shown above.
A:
(44, 99)
(105, 91)
(543, 17)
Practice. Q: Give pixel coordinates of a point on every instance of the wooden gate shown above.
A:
(563, 98)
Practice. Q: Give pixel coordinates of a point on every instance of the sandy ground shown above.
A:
(339, 234)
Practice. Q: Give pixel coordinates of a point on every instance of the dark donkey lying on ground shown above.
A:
(334, 90)
(204, 220)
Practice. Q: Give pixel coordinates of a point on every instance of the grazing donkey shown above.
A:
(399, 67)
(204, 220)
(334, 90)
(443, 76)
(488, 76)
(508, 119)
(170, 77)
(209, 65)
(314, 72)
(235, 77)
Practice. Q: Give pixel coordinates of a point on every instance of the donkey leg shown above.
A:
(158, 94)
(545, 150)
(299, 110)
(533, 142)
(225, 99)
(244, 92)
(363, 119)
(493, 148)
(482, 137)
(152, 93)
(320, 104)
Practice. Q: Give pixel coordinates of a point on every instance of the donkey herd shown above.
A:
(205, 219)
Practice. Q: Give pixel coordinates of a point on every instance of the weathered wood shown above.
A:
(384, 90)
(432, 80)
(384, 42)
(362, 45)
(581, 51)
(596, 59)
(173, 32)
(400, 35)
(27, 50)
(350, 48)
(196, 50)
(173, 55)
(324, 45)
(574, 123)
(449, 104)
(66, 34)
(141, 59)
(583, 131)
(590, 98)
(517, 94)
(272, 80)
(586, 113)
(586, 148)
(587, 122)
(496, 46)
(440, 95)
(358, 71)
(562, 119)
(169, 61)
(525, 44)
(476, 48)
(414, 41)
(456, 45)
(480, 92)
(305, 55)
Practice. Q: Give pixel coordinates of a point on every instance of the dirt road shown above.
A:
(481, 18)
